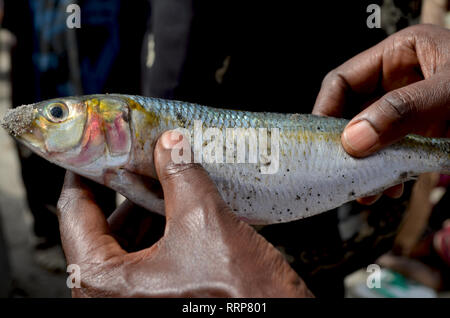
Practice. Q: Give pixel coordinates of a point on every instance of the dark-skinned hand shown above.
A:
(205, 250)
(405, 81)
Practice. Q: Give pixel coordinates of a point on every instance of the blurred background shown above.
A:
(256, 55)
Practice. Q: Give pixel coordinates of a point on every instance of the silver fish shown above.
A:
(293, 166)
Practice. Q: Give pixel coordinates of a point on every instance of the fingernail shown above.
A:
(170, 139)
(360, 136)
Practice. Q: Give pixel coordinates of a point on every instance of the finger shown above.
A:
(446, 224)
(118, 217)
(394, 192)
(135, 227)
(84, 230)
(332, 95)
(396, 114)
(369, 200)
(187, 186)
(360, 74)
(441, 243)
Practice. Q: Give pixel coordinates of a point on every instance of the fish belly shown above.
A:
(314, 176)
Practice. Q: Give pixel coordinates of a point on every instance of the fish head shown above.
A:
(84, 134)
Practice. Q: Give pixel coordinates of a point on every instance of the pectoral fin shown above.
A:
(141, 190)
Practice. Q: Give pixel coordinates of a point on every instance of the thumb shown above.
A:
(399, 112)
(186, 185)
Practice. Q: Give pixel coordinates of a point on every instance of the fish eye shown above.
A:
(57, 112)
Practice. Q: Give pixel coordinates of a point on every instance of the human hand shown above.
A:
(206, 251)
(408, 76)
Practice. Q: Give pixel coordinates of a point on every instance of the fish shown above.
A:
(269, 167)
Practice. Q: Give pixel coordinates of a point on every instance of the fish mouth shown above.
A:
(18, 121)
